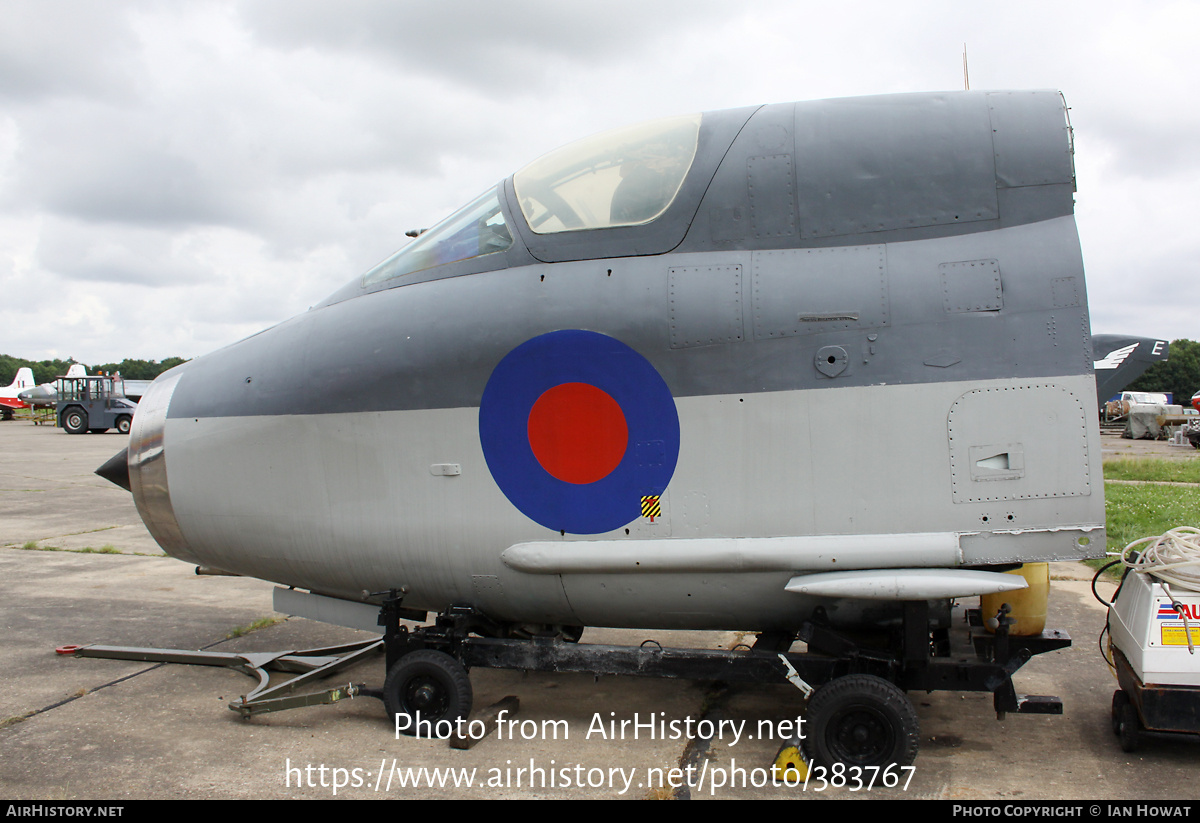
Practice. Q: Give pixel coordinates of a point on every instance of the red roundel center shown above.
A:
(578, 433)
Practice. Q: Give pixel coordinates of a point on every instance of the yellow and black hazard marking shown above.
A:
(650, 507)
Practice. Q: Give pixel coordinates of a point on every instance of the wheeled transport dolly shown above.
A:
(857, 710)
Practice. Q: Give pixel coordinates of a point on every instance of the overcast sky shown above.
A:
(177, 175)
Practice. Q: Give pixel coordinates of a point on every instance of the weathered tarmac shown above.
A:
(103, 729)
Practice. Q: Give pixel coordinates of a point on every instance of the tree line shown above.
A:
(44, 371)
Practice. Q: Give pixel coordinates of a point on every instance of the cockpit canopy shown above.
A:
(623, 177)
(476, 229)
(784, 176)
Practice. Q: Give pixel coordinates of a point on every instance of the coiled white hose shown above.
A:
(1173, 557)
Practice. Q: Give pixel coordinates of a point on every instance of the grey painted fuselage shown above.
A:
(871, 319)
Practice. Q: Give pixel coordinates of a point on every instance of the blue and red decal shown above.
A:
(577, 428)
(1190, 611)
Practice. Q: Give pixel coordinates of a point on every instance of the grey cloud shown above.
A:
(1144, 145)
(489, 46)
(145, 186)
(51, 48)
(201, 160)
(80, 251)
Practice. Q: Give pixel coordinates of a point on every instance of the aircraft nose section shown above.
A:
(116, 469)
(146, 467)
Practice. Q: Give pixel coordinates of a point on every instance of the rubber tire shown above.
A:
(861, 720)
(1128, 727)
(426, 685)
(124, 423)
(1120, 698)
(75, 421)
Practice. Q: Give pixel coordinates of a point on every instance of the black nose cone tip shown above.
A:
(116, 470)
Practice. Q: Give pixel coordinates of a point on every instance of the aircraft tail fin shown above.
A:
(23, 380)
(1121, 359)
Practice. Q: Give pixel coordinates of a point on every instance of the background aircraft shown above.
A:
(46, 394)
(1121, 359)
(9, 401)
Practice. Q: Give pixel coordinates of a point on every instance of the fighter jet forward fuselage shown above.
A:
(715, 371)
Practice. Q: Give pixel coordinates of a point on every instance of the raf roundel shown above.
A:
(577, 429)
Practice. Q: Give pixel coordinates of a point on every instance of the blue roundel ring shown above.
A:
(575, 356)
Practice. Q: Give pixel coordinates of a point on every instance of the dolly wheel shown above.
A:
(1120, 698)
(1128, 727)
(861, 720)
(426, 692)
(124, 422)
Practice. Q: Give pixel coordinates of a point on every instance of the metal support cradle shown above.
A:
(309, 664)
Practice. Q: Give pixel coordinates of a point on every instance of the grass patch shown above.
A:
(107, 548)
(1134, 512)
(1162, 471)
(260, 623)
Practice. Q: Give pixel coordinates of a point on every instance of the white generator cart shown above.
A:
(1154, 638)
